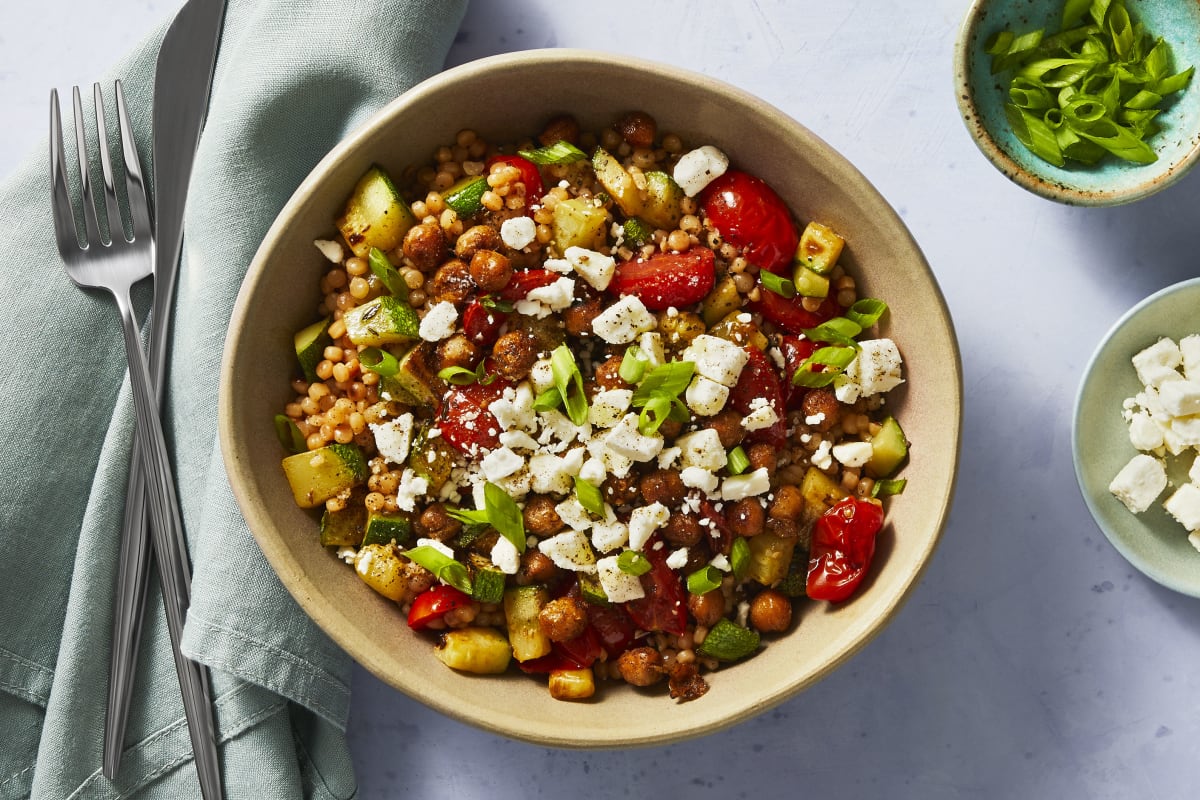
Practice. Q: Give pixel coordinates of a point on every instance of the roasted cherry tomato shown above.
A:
(667, 279)
(664, 608)
(789, 313)
(530, 176)
(613, 627)
(526, 281)
(843, 542)
(577, 653)
(749, 215)
(722, 535)
(481, 324)
(433, 603)
(795, 350)
(760, 379)
(464, 419)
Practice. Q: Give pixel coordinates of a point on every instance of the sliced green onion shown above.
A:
(547, 400)
(569, 382)
(470, 516)
(387, 274)
(633, 365)
(504, 515)
(839, 330)
(739, 557)
(1073, 11)
(379, 361)
(736, 461)
(289, 434)
(589, 497)
(654, 413)
(459, 376)
(704, 580)
(833, 360)
(633, 563)
(888, 487)
(561, 152)
(1174, 83)
(669, 379)
(866, 312)
(445, 568)
(777, 284)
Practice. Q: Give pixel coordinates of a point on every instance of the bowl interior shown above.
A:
(981, 97)
(506, 98)
(1152, 541)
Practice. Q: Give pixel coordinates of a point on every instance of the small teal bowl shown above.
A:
(981, 97)
(1152, 541)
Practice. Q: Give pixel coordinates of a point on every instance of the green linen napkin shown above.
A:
(293, 77)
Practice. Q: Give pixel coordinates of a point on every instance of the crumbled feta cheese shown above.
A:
(1180, 398)
(721, 562)
(621, 322)
(644, 521)
(505, 556)
(553, 474)
(853, 454)
(699, 168)
(1194, 472)
(678, 559)
(573, 514)
(541, 376)
(1189, 348)
(668, 456)
(569, 550)
(557, 265)
(761, 417)
(619, 586)
(822, 457)
(595, 268)
(1139, 482)
(441, 547)
(545, 300)
(411, 487)
(517, 440)
(650, 343)
(347, 554)
(609, 534)
(514, 409)
(701, 449)
(609, 406)
(614, 463)
(626, 440)
(875, 369)
(1144, 434)
(716, 359)
(593, 471)
(1184, 506)
(518, 232)
(706, 397)
(558, 431)
(1157, 362)
(330, 249)
(698, 478)
(750, 484)
(393, 438)
(439, 322)
(500, 463)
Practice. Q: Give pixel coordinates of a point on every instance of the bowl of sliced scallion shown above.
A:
(1086, 102)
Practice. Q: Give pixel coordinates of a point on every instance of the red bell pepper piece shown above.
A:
(526, 281)
(530, 176)
(795, 351)
(482, 324)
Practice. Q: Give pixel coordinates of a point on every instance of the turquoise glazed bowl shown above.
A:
(1152, 541)
(981, 97)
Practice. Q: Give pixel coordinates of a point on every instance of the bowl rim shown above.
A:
(999, 157)
(303, 588)
(1099, 514)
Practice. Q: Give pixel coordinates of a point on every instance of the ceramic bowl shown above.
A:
(981, 98)
(506, 98)
(1152, 541)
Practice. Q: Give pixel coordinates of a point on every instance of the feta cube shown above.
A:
(716, 359)
(875, 369)
(701, 449)
(609, 406)
(545, 300)
(822, 457)
(331, 250)
(500, 463)
(678, 558)
(626, 440)
(609, 534)
(1194, 472)
(411, 487)
(623, 321)
(614, 463)
(853, 454)
(699, 168)
(1144, 434)
(697, 478)
(668, 456)
(541, 376)
(592, 470)
(1157, 362)
(761, 417)
(393, 438)
(595, 268)
(619, 586)
(750, 484)
(1189, 349)
(706, 397)
(442, 548)
(573, 514)
(518, 232)
(505, 556)
(439, 322)
(550, 474)
(644, 521)
(518, 440)
(1180, 398)
(1139, 482)
(650, 343)
(514, 409)
(1187, 429)
(1184, 506)
(569, 550)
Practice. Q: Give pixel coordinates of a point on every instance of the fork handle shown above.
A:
(166, 534)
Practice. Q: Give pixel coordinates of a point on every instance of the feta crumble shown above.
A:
(439, 322)
(518, 232)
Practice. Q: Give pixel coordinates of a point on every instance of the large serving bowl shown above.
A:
(506, 98)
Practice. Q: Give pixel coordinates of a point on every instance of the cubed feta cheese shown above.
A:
(706, 397)
(550, 474)
(619, 586)
(609, 406)
(875, 370)
(500, 463)
(592, 471)
(668, 456)
(514, 409)
(505, 556)
(822, 457)
(595, 268)
(441, 547)
(761, 417)
(1187, 429)
(699, 168)
(623, 321)
(1144, 434)
(330, 249)
(558, 431)
(650, 343)
(1158, 362)
(545, 300)
(750, 484)
(1184, 506)
(614, 463)
(518, 440)
(701, 449)
(626, 440)
(609, 534)
(393, 438)
(1180, 398)
(411, 487)
(541, 376)
(678, 558)
(644, 521)
(1139, 482)
(853, 454)
(518, 232)
(1189, 348)
(1194, 472)
(697, 478)
(716, 359)
(569, 550)
(721, 562)
(439, 322)
(573, 514)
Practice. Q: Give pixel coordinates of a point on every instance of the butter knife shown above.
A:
(183, 78)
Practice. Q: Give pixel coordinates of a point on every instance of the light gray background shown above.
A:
(1032, 661)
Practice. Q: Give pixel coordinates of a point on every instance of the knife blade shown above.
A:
(182, 84)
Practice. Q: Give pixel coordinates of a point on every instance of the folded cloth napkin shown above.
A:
(293, 77)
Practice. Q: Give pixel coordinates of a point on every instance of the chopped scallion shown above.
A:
(739, 557)
(704, 580)
(633, 365)
(289, 434)
(777, 284)
(459, 376)
(832, 360)
(589, 497)
(633, 563)
(886, 487)
(379, 361)
(446, 569)
(387, 274)
(569, 382)
(547, 400)
(561, 152)
(736, 461)
(504, 515)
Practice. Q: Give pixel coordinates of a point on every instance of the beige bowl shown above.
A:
(505, 98)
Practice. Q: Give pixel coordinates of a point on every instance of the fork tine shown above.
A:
(60, 198)
(116, 228)
(85, 175)
(135, 184)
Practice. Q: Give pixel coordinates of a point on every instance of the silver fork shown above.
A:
(116, 265)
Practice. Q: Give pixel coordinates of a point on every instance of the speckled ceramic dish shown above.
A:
(981, 97)
(1153, 541)
(506, 98)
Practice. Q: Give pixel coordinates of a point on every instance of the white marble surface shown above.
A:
(1032, 661)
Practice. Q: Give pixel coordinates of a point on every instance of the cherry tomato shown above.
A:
(749, 215)
(843, 542)
(530, 176)
(433, 603)
(795, 351)
(526, 281)
(464, 419)
(788, 312)
(667, 279)
(722, 540)
(613, 627)
(664, 608)
(759, 379)
(481, 324)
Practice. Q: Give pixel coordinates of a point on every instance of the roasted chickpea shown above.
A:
(788, 503)
(663, 486)
(535, 567)
(683, 530)
(823, 405)
(637, 128)
(563, 128)
(490, 270)
(476, 238)
(457, 351)
(762, 456)
(514, 354)
(728, 425)
(641, 666)
(607, 375)
(425, 245)
(436, 523)
(620, 492)
(770, 612)
(785, 529)
(577, 320)
(451, 283)
(563, 619)
(707, 608)
(745, 517)
(541, 518)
